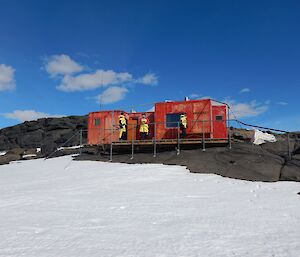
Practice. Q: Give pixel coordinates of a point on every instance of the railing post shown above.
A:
(80, 142)
(154, 146)
(228, 127)
(178, 139)
(111, 145)
(132, 143)
(229, 137)
(203, 137)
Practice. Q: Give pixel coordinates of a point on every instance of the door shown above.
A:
(132, 129)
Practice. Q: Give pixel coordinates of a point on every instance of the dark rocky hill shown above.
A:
(268, 162)
(46, 133)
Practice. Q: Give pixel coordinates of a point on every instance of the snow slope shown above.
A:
(63, 208)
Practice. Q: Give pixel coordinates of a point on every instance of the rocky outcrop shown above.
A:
(268, 162)
(243, 161)
(46, 133)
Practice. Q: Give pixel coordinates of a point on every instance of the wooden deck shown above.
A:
(172, 141)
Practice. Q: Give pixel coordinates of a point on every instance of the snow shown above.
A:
(2, 153)
(61, 207)
(70, 147)
(29, 155)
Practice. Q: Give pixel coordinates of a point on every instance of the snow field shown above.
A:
(61, 207)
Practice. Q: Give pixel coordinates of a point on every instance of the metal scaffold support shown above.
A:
(228, 127)
(203, 137)
(80, 142)
(111, 136)
(132, 143)
(178, 138)
(154, 143)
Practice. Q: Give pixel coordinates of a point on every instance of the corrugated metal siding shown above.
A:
(200, 115)
(220, 127)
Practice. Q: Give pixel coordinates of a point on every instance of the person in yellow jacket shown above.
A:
(122, 125)
(144, 127)
(183, 125)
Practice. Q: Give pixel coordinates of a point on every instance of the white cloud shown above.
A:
(112, 94)
(94, 80)
(72, 78)
(194, 96)
(62, 65)
(245, 90)
(282, 103)
(243, 110)
(27, 115)
(7, 81)
(148, 79)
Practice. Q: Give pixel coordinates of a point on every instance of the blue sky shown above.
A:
(62, 57)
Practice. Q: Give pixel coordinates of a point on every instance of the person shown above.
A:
(183, 125)
(144, 127)
(122, 125)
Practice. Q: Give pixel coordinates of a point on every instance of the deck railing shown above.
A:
(197, 132)
(109, 137)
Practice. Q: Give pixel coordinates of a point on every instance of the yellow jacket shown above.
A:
(183, 121)
(144, 127)
(122, 122)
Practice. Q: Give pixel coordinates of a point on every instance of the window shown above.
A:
(172, 120)
(96, 122)
(219, 118)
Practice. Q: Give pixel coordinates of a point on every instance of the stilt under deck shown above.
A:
(172, 141)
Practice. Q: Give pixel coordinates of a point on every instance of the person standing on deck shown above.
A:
(144, 127)
(183, 125)
(122, 125)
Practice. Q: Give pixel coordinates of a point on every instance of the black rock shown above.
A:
(291, 170)
(46, 133)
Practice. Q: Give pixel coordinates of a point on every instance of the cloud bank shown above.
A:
(73, 77)
(246, 109)
(28, 115)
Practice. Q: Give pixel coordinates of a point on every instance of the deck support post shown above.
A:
(203, 137)
(154, 145)
(228, 127)
(111, 136)
(80, 142)
(111, 152)
(178, 138)
(132, 143)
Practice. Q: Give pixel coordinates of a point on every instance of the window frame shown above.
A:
(96, 122)
(174, 124)
(217, 118)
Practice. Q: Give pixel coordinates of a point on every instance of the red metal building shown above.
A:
(206, 118)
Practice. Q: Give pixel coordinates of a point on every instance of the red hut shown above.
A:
(206, 119)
